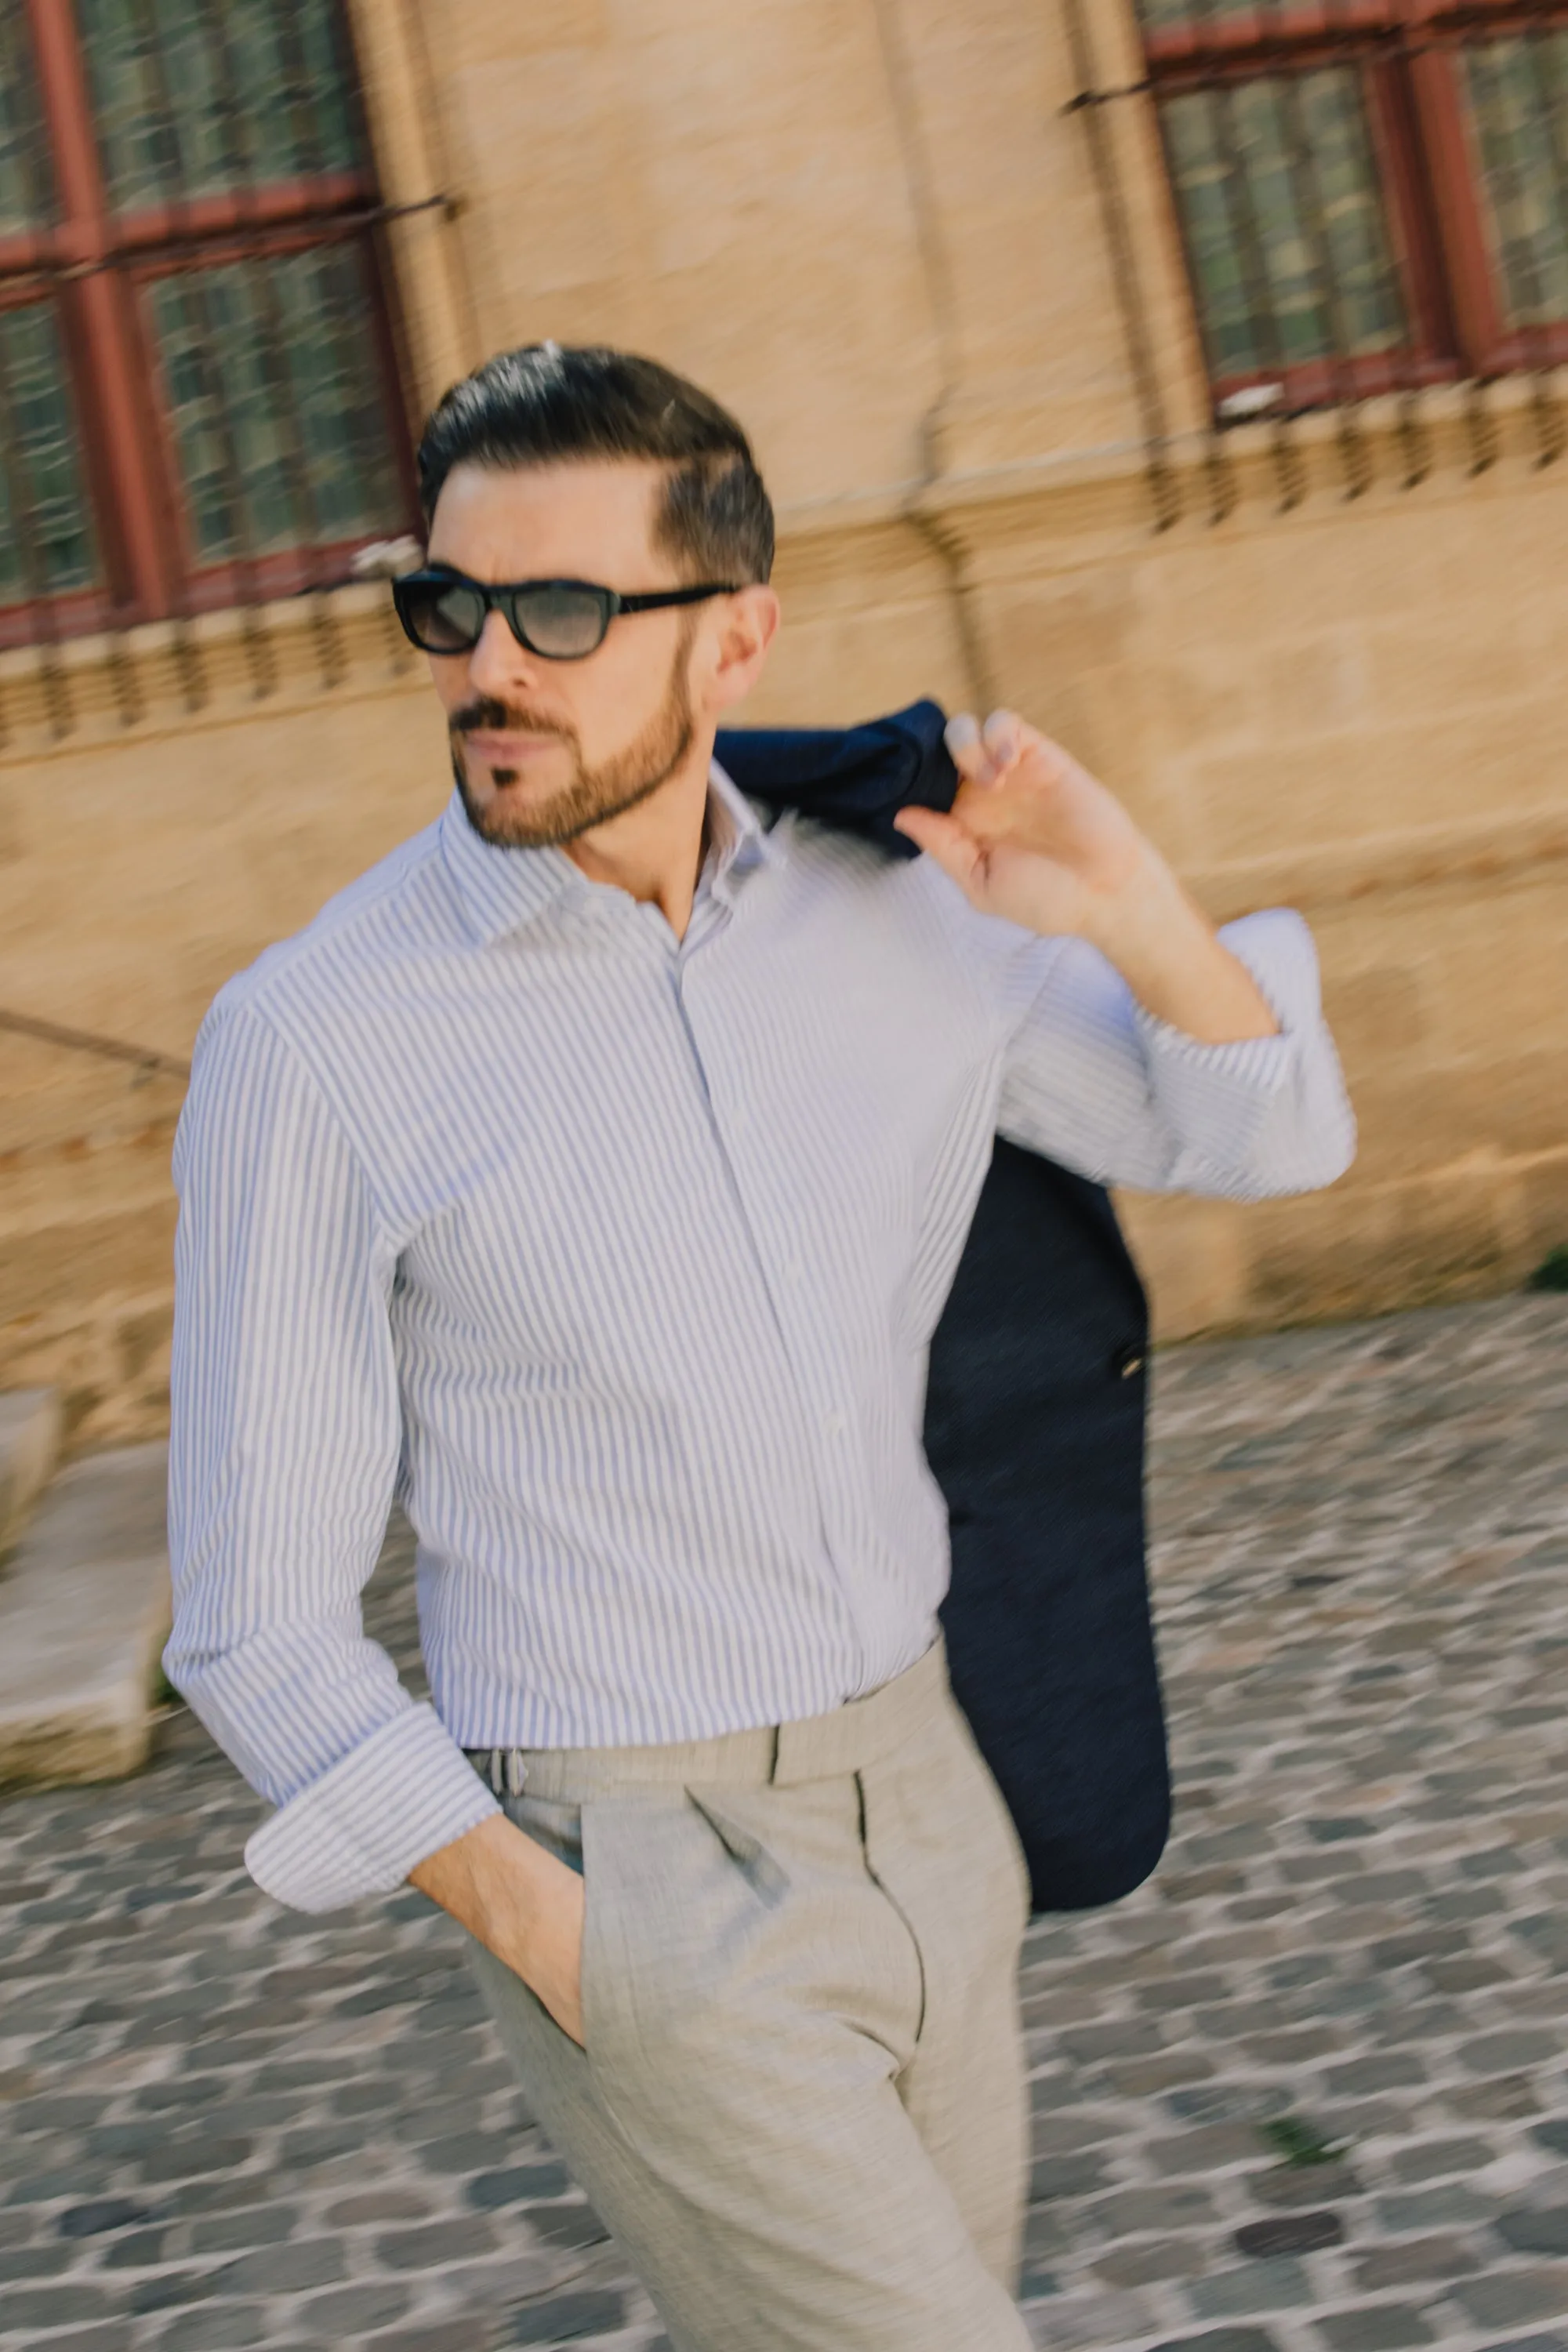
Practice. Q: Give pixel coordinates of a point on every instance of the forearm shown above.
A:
(493, 1880)
(1094, 1080)
(520, 1902)
(1165, 949)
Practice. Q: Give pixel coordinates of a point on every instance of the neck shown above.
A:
(654, 852)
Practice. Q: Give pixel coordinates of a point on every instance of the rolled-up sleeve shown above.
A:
(284, 1446)
(1092, 1079)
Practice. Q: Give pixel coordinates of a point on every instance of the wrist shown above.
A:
(1165, 949)
(1143, 916)
(512, 1892)
(488, 1880)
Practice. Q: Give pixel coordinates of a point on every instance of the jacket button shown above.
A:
(1127, 1362)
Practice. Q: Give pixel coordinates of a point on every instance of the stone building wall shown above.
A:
(869, 225)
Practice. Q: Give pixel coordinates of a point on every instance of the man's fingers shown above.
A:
(1002, 737)
(983, 754)
(962, 736)
(967, 746)
(954, 850)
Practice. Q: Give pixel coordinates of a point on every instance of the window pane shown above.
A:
(1518, 90)
(27, 178)
(46, 530)
(270, 369)
(1283, 214)
(196, 96)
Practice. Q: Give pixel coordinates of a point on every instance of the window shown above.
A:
(1372, 194)
(198, 390)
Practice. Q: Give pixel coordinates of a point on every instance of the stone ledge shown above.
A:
(30, 1425)
(137, 684)
(84, 1610)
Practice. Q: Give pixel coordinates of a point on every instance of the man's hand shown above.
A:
(521, 1904)
(1032, 837)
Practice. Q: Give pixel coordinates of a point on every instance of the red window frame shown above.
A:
(94, 266)
(1410, 55)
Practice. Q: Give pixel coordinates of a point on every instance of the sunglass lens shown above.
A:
(444, 616)
(564, 624)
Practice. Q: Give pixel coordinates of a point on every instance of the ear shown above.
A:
(746, 625)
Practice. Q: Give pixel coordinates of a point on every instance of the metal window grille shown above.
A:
(1372, 194)
(199, 377)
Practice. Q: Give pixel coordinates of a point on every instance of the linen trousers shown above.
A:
(801, 2106)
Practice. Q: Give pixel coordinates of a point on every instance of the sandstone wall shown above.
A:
(872, 228)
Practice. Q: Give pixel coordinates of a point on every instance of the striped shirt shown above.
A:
(615, 1259)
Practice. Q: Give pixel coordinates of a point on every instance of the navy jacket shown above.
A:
(1033, 1426)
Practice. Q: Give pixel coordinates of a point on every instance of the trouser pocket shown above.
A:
(553, 1822)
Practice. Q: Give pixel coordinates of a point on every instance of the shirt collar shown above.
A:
(738, 839)
(502, 890)
(499, 890)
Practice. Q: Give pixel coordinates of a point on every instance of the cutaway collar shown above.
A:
(502, 890)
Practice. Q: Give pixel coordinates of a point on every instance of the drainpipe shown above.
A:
(934, 529)
(1153, 426)
(1164, 495)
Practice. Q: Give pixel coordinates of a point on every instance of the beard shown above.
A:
(590, 796)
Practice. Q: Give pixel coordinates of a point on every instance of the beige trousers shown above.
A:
(802, 2107)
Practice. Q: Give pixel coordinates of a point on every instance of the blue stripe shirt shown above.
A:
(615, 1259)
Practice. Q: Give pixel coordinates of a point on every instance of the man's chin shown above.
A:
(511, 821)
(516, 808)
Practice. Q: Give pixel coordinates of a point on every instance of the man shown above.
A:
(590, 1175)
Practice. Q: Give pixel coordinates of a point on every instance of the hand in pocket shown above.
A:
(552, 1964)
(524, 1903)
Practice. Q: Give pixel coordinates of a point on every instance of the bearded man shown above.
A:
(590, 1177)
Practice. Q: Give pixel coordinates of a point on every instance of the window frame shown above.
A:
(92, 267)
(1495, 347)
(1409, 56)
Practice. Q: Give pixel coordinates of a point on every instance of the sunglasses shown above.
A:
(559, 620)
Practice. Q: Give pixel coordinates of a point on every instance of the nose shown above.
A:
(499, 668)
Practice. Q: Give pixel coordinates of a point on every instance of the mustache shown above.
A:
(497, 719)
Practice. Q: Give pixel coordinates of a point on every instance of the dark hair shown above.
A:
(549, 404)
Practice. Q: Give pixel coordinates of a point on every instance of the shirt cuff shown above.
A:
(362, 1826)
(1224, 1089)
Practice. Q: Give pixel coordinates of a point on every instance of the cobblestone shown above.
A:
(222, 2124)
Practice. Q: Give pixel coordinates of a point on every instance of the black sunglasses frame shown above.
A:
(501, 598)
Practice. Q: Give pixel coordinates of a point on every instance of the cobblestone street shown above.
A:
(1304, 2093)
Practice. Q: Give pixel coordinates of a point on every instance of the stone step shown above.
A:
(29, 1443)
(84, 1610)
